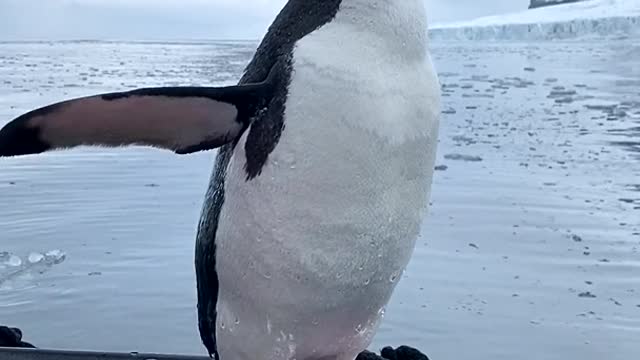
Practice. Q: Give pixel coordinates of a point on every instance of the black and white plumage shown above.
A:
(308, 250)
(321, 183)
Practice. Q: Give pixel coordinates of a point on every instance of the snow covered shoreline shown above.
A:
(579, 28)
(596, 18)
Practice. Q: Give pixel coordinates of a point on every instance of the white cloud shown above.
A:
(135, 19)
(179, 19)
(455, 10)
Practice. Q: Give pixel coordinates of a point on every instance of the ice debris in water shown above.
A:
(35, 258)
(8, 259)
(12, 265)
(55, 256)
(14, 261)
(462, 157)
(52, 257)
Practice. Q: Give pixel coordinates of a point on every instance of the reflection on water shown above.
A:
(531, 249)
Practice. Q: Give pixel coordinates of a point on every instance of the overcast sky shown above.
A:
(180, 19)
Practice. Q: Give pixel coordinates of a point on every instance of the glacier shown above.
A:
(595, 18)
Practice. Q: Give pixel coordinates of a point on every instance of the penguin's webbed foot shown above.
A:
(389, 353)
(402, 353)
(368, 355)
(12, 337)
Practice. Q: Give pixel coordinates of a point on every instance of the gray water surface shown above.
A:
(531, 249)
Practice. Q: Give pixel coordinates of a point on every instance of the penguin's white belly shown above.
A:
(309, 252)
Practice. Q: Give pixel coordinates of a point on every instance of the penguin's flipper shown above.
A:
(180, 119)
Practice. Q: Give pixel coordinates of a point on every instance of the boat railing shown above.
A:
(44, 354)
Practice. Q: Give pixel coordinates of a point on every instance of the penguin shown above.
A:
(322, 178)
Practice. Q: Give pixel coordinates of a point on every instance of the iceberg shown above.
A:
(594, 18)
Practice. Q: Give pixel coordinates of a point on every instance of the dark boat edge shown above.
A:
(45, 354)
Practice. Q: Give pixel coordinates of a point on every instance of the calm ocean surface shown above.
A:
(531, 249)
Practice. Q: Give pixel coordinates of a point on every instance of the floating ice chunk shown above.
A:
(35, 257)
(14, 261)
(55, 256)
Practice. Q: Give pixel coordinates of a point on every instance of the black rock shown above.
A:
(389, 353)
(12, 337)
